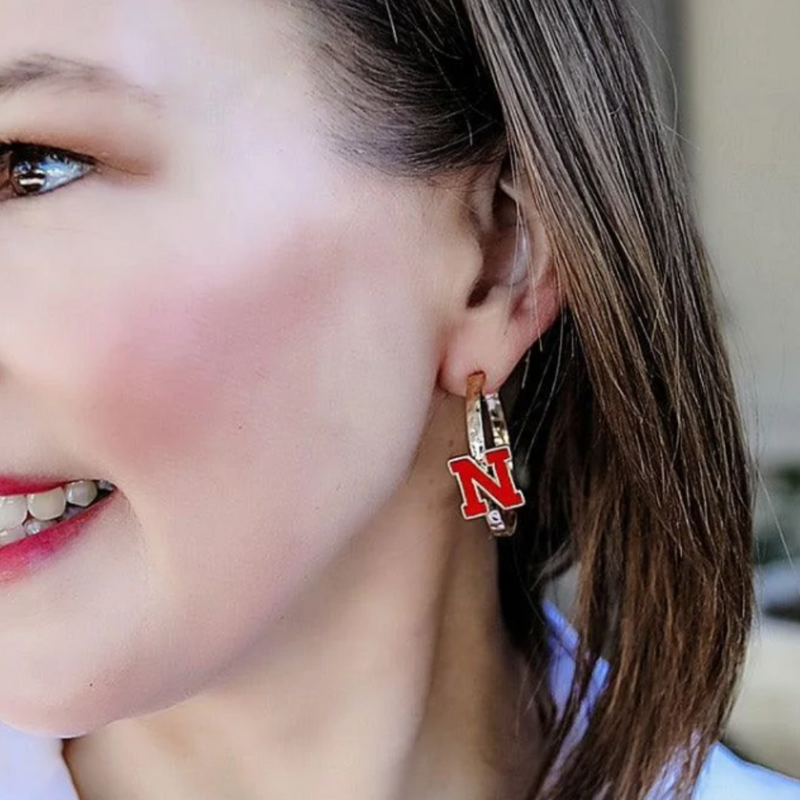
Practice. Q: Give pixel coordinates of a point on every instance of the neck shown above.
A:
(391, 679)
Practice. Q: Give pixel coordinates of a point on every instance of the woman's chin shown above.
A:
(60, 714)
(41, 722)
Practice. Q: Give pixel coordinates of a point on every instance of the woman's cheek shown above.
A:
(190, 361)
(166, 351)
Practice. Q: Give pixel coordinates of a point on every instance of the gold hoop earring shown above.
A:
(472, 472)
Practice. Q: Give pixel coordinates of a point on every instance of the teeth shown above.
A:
(13, 511)
(47, 505)
(15, 534)
(27, 515)
(34, 526)
(71, 512)
(80, 493)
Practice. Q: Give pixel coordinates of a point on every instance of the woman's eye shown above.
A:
(28, 170)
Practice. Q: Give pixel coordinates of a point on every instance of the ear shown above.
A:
(515, 299)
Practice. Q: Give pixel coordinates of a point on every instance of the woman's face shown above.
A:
(237, 329)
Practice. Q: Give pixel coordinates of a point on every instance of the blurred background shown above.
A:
(729, 73)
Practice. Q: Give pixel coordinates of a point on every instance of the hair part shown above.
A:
(626, 431)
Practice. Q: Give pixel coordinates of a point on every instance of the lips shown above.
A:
(13, 486)
(34, 552)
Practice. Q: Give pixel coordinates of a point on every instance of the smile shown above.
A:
(26, 515)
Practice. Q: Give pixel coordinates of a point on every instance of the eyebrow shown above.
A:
(64, 73)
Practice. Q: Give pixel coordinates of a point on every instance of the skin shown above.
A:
(266, 349)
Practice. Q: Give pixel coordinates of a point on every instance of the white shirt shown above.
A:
(32, 768)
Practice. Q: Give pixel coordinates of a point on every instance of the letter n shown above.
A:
(471, 477)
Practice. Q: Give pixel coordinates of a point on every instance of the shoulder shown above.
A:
(724, 777)
(31, 768)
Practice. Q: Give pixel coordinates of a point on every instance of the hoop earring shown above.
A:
(501, 495)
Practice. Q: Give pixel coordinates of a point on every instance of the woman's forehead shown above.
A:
(143, 41)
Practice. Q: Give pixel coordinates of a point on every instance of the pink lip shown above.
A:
(22, 558)
(13, 486)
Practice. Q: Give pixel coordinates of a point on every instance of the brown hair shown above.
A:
(626, 429)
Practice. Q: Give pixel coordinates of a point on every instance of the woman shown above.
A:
(256, 255)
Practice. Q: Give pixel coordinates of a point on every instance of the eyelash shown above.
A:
(14, 154)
